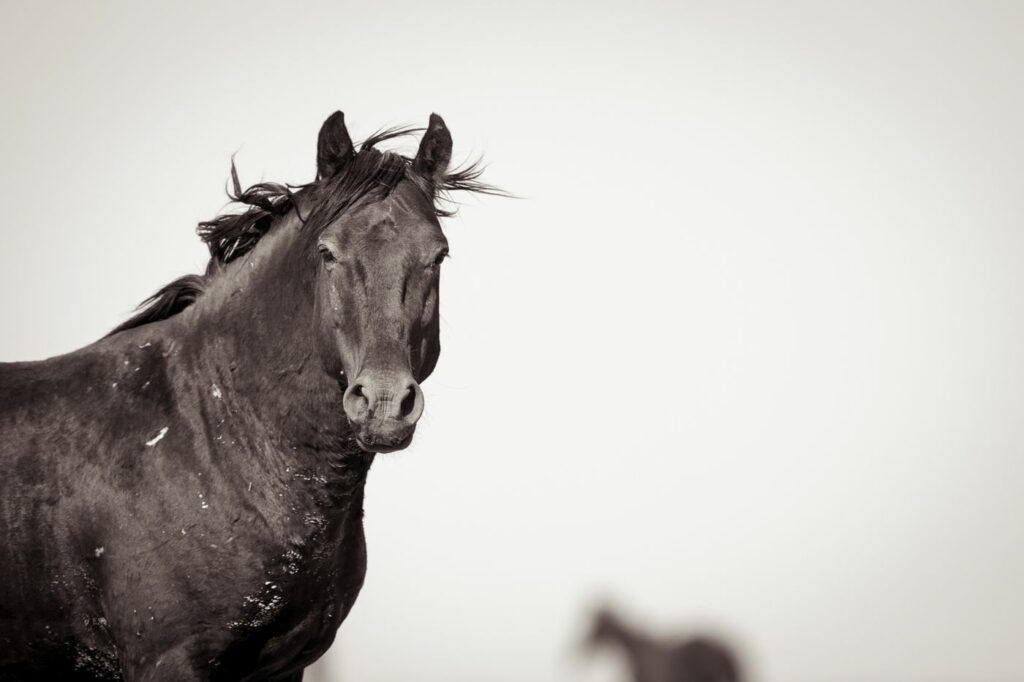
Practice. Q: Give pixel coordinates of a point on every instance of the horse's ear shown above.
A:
(435, 151)
(333, 147)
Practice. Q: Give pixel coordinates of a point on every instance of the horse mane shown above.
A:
(371, 173)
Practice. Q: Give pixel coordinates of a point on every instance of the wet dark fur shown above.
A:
(182, 499)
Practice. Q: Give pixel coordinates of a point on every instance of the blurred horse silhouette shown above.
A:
(694, 659)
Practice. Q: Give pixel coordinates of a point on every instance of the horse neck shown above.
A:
(646, 658)
(252, 333)
(632, 642)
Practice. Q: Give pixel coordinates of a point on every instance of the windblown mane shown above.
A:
(371, 173)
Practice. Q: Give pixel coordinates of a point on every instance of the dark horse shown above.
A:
(694, 659)
(182, 500)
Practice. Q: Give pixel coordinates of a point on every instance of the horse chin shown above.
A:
(377, 443)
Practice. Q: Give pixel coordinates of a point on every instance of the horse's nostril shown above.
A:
(411, 406)
(356, 402)
(408, 403)
(358, 396)
(376, 396)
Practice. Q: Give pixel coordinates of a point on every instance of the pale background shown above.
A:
(748, 354)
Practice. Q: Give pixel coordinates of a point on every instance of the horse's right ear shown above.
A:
(435, 151)
(333, 147)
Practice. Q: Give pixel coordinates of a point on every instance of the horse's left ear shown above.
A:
(435, 151)
(333, 146)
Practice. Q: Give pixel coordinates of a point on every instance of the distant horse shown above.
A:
(695, 659)
(183, 499)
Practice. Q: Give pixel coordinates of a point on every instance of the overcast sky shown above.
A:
(746, 356)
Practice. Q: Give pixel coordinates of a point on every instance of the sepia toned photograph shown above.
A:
(725, 382)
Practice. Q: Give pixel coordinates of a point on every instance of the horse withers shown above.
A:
(182, 499)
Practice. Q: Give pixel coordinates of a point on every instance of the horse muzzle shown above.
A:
(383, 407)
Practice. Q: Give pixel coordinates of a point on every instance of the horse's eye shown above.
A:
(326, 255)
(439, 258)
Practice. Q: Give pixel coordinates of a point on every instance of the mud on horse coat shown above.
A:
(182, 500)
